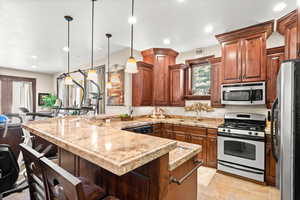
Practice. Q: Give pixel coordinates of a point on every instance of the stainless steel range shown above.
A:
(241, 145)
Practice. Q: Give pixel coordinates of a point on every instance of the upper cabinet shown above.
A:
(177, 84)
(274, 58)
(287, 26)
(215, 96)
(244, 53)
(160, 58)
(142, 85)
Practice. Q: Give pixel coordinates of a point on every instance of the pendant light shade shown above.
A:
(108, 36)
(131, 66)
(92, 73)
(68, 78)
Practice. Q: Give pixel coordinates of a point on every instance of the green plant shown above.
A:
(49, 101)
(124, 115)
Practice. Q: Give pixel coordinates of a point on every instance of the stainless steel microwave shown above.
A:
(243, 93)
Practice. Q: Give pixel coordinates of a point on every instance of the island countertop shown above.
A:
(110, 148)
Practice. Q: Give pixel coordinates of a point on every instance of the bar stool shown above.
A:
(57, 183)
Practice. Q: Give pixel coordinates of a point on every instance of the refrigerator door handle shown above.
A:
(273, 131)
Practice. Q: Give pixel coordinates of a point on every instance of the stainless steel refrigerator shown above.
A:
(285, 130)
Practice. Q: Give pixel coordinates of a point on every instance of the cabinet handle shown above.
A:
(185, 177)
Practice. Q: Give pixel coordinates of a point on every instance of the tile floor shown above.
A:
(214, 186)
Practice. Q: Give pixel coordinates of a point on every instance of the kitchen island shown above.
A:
(127, 165)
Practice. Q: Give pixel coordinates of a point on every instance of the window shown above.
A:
(201, 80)
(198, 79)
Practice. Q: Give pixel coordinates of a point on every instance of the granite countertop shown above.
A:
(110, 148)
(117, 151)
(207, 123)
(183, 152)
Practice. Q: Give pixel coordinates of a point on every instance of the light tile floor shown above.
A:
(214, 186)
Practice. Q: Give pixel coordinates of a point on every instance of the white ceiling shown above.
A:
(37, 27)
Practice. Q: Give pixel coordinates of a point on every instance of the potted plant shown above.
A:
(49, 101)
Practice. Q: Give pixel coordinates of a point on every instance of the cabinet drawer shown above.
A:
(190, 129)
(212, 132)
(156, 127)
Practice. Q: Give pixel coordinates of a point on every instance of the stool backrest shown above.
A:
(61, 185)
(37, 187)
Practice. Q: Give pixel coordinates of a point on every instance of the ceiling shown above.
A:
(37, 27)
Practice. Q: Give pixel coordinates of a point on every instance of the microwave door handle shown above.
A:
(251, 96)
(272, 129)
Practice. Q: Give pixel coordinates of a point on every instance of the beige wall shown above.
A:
(44, 82)
(274, 40)
(120, 58)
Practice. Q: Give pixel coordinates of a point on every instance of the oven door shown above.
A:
(249, 153)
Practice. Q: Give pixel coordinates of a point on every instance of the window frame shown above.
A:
(188, 77)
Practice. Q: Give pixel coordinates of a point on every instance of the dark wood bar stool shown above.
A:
(61, 185)
(48, 181)
(37, 189)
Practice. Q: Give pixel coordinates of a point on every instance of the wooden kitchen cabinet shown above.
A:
(270, 164)
(274, 58)
(161, 58)
(231, 70)
(211, 158)
(200, 140)
(254, 58)
(142, 85)
(176, 73)
(287, 26)
(215, 96)
(244, 53)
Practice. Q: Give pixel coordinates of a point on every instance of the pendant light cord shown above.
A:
(68, 47)
(132, 14)
(92, 55)
(108, 56)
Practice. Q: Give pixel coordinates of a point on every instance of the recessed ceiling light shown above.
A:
(66, 49)
(132, 20)
(208, 29)
(33, 66)
(167, 41)
(279, 7)
(34, 57)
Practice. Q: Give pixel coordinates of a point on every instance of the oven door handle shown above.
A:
(246, 170)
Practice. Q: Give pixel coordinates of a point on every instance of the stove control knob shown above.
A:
(228, 130)
(224, 130)
(250, 133)
(256, 133)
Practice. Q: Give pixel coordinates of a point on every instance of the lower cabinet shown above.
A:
(270, 164)
(205, 137)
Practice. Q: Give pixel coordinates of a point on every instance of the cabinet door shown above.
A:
(200, 140)
(254, 58)
(270, 166)
(212, 151)
(161, 81)
(231, 70)
(273, 66)
(176, 85)
(142, 85)
(215, 95)
(291, 41)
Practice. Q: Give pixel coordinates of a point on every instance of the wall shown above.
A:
(274, 40)
(120, 58)
(44, 82)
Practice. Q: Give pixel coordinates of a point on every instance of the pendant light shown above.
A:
(68, 78)
(108, 84)
(131, 66)
(92, 73)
